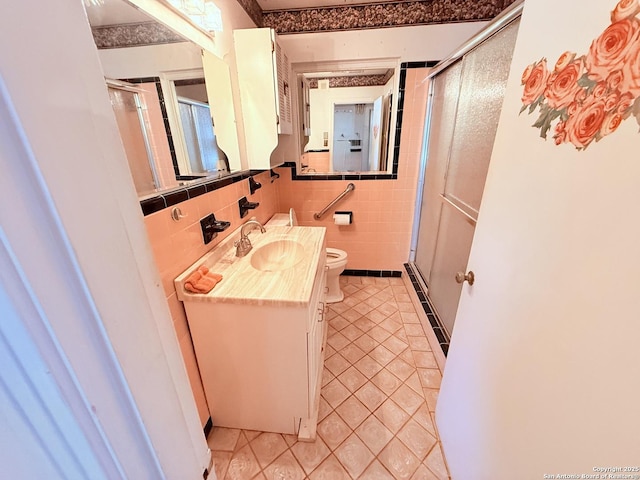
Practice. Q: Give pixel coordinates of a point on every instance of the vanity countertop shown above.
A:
(244, 284)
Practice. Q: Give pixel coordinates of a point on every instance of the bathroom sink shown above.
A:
(277, 255)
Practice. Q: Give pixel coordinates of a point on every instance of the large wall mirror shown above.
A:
(172, 100)
(346, 111)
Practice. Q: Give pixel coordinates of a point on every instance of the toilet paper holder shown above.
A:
(342, 218)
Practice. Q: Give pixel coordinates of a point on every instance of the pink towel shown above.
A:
(202, 280)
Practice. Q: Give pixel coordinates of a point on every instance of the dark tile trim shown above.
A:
(207, 427)
(372, 273)
(398, 132)
(165, 200)
(432, 316)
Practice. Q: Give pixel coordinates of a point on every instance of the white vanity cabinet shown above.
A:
(265, 94)
(261, 361)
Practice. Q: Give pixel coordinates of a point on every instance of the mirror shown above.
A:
(171, 98)
(346, 111)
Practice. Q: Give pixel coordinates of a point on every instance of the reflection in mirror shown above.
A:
(162, 76)
(345, 122)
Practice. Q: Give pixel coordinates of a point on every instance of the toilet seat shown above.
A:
(336, 257)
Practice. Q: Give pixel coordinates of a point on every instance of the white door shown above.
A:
(543, 372)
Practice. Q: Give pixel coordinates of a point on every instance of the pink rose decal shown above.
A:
(586, 97)
(535, 81)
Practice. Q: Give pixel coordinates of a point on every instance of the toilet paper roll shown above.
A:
(342, 218)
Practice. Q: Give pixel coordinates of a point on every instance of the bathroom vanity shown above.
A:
(259, 335)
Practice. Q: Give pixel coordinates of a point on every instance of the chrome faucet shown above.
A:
(243, 246)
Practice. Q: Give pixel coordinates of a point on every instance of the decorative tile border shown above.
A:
(432, 316)
(353, 81)
(133, 35)
(170, 198)
(396, 146)
(382, 15)
(372, 273)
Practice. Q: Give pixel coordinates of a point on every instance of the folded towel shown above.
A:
(202, 280)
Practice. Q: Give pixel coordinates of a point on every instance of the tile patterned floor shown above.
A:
(380, 385)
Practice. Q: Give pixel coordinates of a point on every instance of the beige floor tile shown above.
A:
(400, 369)
(336, 364)
(391, 415)
(395, 345)
(285, 467)
(354, 455)
(352, 353)
(381, 355)
(423, 473)
(419, 441)
(376, 316)
(221, 462)
(435, 462)
(374, 301)
(376, 471)
(387, 382)
(364, 324)
(352, 379)
(405, 307)
(425, 359)
(339, 322)
(379, 334)
(267, 447)
(352, 314)
(419, 343)
(351, 332)
(371, 396)
(414, 383)
(408, 399)
(362, 308)
(368, 366)
(366, 343)
(324, 409)
(224, 439)
(243, 465)
(402, 297)
(374, 434)
(391, 325)
(430, 377)
(431, 395)
(424, 419)
(414, 329)
(335, 393)
(327, 376)
(330, 469)
(351, 301)
(399, 460)
(352, 411)
(333, 430)
(310, 454)
(338, 341)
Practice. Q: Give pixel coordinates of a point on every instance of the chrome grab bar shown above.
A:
(349, 188)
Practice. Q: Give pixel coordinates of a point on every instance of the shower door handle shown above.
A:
(469, 277)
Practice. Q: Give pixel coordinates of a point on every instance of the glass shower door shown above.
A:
(483, 78)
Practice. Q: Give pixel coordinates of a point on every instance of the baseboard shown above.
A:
(371, 273)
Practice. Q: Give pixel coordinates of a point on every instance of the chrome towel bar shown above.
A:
(349, 188)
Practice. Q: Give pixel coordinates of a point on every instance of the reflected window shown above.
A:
(199, 134)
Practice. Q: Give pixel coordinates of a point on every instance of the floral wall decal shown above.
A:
(585, 98)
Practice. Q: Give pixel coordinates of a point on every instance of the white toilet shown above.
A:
(336, 259)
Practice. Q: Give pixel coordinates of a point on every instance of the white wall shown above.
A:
(542, 373)
(417, 43)
(56, 84)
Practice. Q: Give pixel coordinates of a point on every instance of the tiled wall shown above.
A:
(177, 245)
(380, 235)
